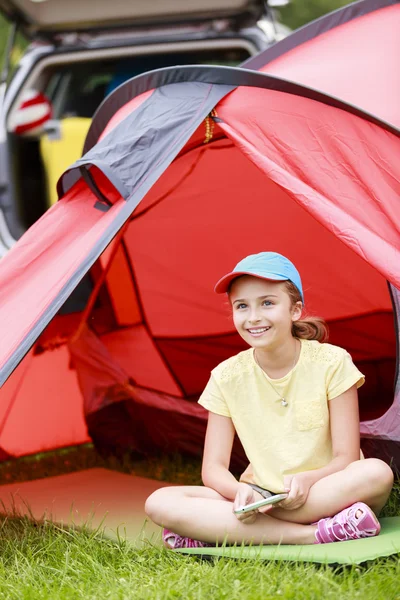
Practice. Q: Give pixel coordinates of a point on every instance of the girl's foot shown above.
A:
(352, 523)
(173, 540)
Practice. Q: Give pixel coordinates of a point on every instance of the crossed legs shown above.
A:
(203, 514)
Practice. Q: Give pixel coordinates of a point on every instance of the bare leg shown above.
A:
(368, 481)
(203, 514)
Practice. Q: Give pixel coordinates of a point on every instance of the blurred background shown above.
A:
(294, 15)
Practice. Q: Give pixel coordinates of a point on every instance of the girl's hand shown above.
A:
(298, 487)
(246, 495)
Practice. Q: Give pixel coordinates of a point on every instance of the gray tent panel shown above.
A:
(139, 149)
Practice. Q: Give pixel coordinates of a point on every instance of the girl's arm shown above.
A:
(345, 433)
(217, 453)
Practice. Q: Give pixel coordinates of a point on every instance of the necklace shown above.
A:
(283, 400)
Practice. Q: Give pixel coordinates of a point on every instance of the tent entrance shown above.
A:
(166, 327)
(157, 328)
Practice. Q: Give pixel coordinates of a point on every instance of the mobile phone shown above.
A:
(254, 505)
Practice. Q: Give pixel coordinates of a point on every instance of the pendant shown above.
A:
(283, 402)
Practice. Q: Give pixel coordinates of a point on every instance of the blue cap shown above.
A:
(265, 265)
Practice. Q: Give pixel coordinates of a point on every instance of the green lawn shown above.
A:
(47, 563)
(43, 561)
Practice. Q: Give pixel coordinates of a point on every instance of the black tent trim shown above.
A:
(316, 28)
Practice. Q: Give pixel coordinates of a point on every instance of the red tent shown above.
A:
(110, 321)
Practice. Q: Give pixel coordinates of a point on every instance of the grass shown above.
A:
(44, 561)
(47, 563)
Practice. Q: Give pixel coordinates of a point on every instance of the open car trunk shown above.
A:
(51, 17)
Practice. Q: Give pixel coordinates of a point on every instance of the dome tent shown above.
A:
(185, 171)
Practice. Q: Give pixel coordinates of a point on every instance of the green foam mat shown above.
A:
(351, 552)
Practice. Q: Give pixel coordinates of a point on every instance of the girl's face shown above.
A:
(262, 311)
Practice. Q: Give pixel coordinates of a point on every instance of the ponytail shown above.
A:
(310, 328)
(313, 328)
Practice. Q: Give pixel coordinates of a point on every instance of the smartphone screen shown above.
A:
(255, 505)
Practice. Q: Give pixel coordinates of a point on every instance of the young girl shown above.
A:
(293, 402)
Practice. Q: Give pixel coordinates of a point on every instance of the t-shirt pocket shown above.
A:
(309, 414)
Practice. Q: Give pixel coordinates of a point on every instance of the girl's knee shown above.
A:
(155, 505)
(373, 471)
(383, 473)
(379, 473)
(164, 504)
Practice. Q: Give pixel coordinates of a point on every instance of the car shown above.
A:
(79, 53)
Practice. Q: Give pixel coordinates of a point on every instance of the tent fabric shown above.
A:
(50, 251)
(171, 112)
(362, 72)
(35, 421)
(66, 221)
(387, 426)
(121, 414)
(338, 141)
(201, 166)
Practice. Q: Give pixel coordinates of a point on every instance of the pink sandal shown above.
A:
(173, 540)
(346, 525)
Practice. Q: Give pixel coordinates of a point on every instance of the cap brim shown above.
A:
(222, 285)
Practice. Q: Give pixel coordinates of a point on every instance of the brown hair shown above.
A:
(310, 328)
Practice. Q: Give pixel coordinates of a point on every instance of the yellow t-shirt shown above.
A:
(281, 440)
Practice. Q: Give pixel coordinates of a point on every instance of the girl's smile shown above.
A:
(259, 331)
